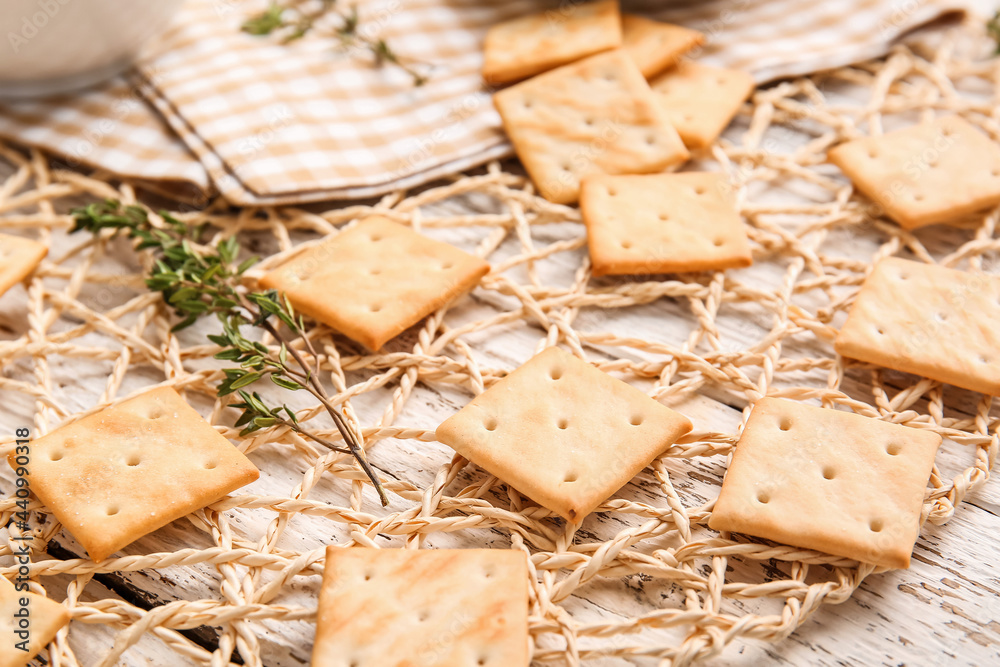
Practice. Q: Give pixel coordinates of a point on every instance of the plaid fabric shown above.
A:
(268, 123)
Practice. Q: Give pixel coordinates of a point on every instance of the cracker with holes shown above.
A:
(422, 608)
(376, 280)
(662, 223)
(596, 116)
(45, 618)
(18, 259)
(529, 45)
(562, 432)
(828, 480)
(700, 100)
(125, 471)
(655, 46)
(927, 320)
(925, 174)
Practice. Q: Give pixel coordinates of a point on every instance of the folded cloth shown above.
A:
(268, 123)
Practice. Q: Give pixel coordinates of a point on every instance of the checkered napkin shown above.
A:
(266, 123)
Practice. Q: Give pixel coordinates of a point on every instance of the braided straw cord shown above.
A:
(86, 305)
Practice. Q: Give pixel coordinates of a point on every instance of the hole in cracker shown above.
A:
(872, 153)
(612, 192)
(626, 244)
(211, 465)
(481, 661)
(527, 104)
(571, 477)
(565, 166)
(375, 307)
(785, 424)
(700, 190)
(721, 81)
(688, 116)
(133, 460)
(423, 616)
(664, 217)
(588, 121)
(376, 237)
(368, 575)
(609, 77)
(447, 265)
(563, 424)
(718, 242)
(491, 424)
(154, 413)
(983, 359)
(112, 510)
(374, 271)
(880, 331)
(893, 448)
(56, 455)
(995, 173)
(650, 139)
(917, 196)
(829, 472)
(555, 373)
(488, 573)
(876, 525)
(635, 420)
(763, 497)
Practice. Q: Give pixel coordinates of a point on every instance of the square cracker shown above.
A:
(654, 46)
(925, 174)
(18, 259)
(592, 117)
(422, 608)
(828, 480)
(46, 618)
(529, 45)
(125, 471)
(662, 223)
(562, 432)
(701, 100)
(376, 280)
(927, 320)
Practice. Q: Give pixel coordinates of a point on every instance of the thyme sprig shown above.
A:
(293, 20)
(198, 280)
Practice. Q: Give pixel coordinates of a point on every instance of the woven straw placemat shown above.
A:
(85, 320)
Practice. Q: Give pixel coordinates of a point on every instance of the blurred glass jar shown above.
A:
(57, 46)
